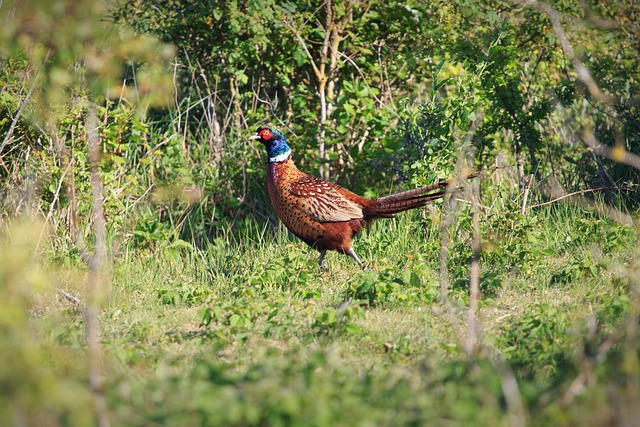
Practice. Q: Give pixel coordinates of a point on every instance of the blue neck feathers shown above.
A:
(277, 148)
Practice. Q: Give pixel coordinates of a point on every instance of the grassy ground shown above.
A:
(248, 331)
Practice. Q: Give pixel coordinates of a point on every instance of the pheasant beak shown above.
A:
(255, 137)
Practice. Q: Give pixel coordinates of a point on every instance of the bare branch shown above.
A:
(473, 191)
(618, 154)
(584, 75)
(511, 393)
(564, 196)
(595, 20)
(474, 278)
(95, 271)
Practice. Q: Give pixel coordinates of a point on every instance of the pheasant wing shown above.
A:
(323, 201)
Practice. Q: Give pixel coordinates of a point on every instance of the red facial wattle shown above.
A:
(266, 134)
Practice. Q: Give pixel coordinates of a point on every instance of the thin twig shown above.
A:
(449, 209)
(14, 122)
(27, 178)
(450, 212)
(364, 79)
(586, 374)
(602, 209)
(54, 201)
(303, 44)
(68, 296)
(526, 194)
(588, 190)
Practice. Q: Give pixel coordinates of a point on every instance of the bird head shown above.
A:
(277, 148)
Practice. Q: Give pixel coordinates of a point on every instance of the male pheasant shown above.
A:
(321, 213)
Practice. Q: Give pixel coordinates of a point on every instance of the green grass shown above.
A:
(248, 331)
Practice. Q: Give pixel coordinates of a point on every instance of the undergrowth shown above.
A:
(206, 311)
(248, 331)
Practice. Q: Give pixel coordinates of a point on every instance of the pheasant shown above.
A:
(322, 214)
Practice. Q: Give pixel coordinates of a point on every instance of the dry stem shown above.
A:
(95, 279)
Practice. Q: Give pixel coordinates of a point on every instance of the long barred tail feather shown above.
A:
(388, 207)
(410, 199)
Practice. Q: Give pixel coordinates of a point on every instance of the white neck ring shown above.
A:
(280, 157)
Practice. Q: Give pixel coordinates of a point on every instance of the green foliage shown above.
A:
(413, 285)
(255, 327)
(341, 319)
(85, 57)
(537, 342)
(262, 60)
(319, 391)
(427, 152)
(41, 382)
(215, 315)
(408, 82)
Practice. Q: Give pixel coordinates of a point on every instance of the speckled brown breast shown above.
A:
(310, 209)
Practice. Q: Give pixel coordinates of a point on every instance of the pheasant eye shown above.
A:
(266, 134)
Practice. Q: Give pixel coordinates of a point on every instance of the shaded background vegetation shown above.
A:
(372, 95)
(367, 92)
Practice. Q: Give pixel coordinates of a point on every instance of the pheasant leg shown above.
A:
(353, 255)
(323, 265)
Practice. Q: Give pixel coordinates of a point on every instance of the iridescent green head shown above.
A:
(277, 148)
